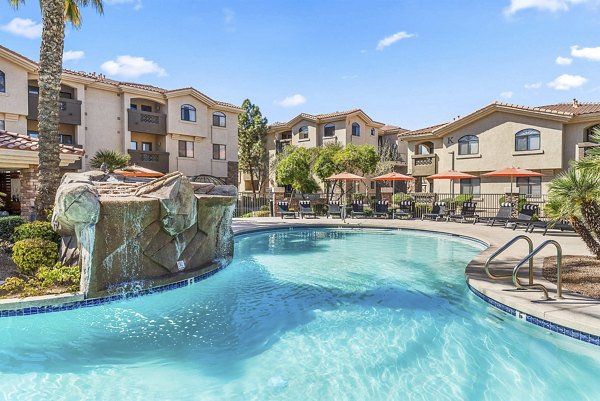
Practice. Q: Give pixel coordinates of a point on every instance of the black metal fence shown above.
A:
(249, 205)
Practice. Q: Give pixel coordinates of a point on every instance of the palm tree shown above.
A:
(574, 196)
(592, 159)
(54, 15)
(110, 160)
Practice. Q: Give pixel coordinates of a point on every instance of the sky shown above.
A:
(410, 63)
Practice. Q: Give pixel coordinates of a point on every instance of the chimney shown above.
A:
(575, 103)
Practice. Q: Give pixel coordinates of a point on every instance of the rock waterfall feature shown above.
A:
(130, 236)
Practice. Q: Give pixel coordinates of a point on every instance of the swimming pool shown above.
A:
(318, 314)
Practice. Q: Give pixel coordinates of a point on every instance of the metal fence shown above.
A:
(249, 205)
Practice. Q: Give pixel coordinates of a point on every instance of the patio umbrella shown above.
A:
(393, 176)
(345, 176)
(513, 172)
(450, 175)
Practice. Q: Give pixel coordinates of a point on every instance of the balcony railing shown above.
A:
(424, 165)
(69, 111)
(145, 121)
(157, 161)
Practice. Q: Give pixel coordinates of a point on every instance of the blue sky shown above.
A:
(412, 63)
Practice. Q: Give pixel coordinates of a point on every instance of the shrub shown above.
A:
(262, 213)
(399, 197)
(111, 159)
(31, 254)
(460, 199)
(450, 203)
(266, 208)
(320, 209)
(421, 208)
(36, 230)
(8, 225)
(59, 275)
(21, 287)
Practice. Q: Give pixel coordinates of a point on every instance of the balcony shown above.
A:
(69, 110)
(147, 122)
(157, 161)
(424, 165)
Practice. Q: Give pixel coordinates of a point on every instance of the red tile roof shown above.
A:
(422, 131)
(9, 140)
(575, 108)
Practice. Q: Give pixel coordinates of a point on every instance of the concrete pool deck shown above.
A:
(573, 312)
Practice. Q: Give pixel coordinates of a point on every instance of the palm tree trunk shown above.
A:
(586, 236)
(51, 51)
(591, 215)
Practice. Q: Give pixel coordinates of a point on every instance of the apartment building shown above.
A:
(544, 139)
(164, 130)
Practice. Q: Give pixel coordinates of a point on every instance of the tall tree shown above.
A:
(325, 166)
(252, 150)
(54, 15)
(295, 169)
(360, 159)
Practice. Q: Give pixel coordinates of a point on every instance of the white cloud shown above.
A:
(506, 94)
(23, 27)
(70, 55)
(132, 67)
(228, 16)
(390, 40)
(563, 60)
(137, 4)
(292, 101)
(567, 81)
(535, 85)
(590, 53)
(544, 5)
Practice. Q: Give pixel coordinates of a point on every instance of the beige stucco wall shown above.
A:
(365, 137)
(175, 125)
(14, 100)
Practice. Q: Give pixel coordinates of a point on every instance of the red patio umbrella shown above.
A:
(345, 176)
(450, 175)
(513, 172)
(393, 176)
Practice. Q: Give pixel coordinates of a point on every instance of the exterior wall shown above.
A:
(104, 123)
(14, 100)
(175, 125)
(365, 137)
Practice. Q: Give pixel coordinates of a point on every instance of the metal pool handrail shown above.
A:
(529, 258)
(502, 249)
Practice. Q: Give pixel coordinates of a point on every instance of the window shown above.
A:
(329, 130)
(286, 136)
(2, 82)
(471, 186)
(147, 108)
(33, 90)
(219, 152)
(133, 145)
(66, 95)
(133, 106)
(147, 146)
(355, 129)
(188, 113)
(530, 186)
(303, 131)
(527, 139)
(372, 131)
(2, 125)
(33, 134)
(468, 145)
(65, 139)
(219, 119)
(186, 149)
(424, 148)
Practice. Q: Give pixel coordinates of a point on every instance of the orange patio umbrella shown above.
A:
(451, 175)
(393, 176)
(345, 176)
(513, 172)
(138, 171)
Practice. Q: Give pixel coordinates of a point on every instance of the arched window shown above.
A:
(219, 119)
(303, 131)
(355, 129)
(188, 113)
(372, 131)
(424, 148)
(2, 82)
(468, 145)
(527, 139)
(329, 130)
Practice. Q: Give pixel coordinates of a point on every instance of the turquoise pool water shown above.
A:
(302, 315)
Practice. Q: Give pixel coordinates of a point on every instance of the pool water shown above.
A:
(318, 314)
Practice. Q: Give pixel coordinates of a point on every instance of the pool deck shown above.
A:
(572, 312)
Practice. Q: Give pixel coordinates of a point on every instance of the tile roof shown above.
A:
(336, 113)
(9, 140)
(422, 131)
(575, 108)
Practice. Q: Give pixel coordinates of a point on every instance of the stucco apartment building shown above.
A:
(544, 139)
(164, 130)
(342, 127)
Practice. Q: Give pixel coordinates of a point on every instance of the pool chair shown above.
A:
(525, 217)
(437, 211)
(358, 209)
(285, 211)
(467, 211)
(561, 225)
(334, 209)
(381, 209)
(503, 215)
(304, 209)
(406, 209)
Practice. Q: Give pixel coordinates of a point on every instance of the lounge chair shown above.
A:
(334, 209)
(284, 210)
(561, 225)
(467, 211)
(437, 211)
(358, 209)
(525, 217)
(304, 209)
(381, 209)
(503, 215)
(406, 209)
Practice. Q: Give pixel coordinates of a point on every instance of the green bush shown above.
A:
(36, 230)
(450, 203)
(260, 213)
(422, 208)
(59, 275)
(8, 225)
(31, 254)
(265, 208)
(460, 199)
(399, 197)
